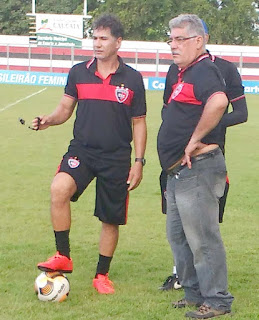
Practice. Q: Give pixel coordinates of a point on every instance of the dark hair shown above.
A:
(109, 21)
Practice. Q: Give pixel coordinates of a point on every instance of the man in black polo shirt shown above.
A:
(235, 94)
(110, 99)
(188, 147)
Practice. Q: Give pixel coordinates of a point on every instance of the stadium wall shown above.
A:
(22, 62)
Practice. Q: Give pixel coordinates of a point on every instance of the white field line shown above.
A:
(20, 100)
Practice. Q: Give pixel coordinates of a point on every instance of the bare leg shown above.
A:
(108, 239)
(62, 189)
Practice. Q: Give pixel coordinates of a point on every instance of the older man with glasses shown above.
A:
(188, 148)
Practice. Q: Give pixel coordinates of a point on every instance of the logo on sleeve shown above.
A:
(73, 162)
(121, 93)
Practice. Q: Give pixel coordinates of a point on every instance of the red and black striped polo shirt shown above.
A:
(105, 107)
(186, 93)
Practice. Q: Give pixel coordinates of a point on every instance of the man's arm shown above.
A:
(60, 115)
(139, 140)
(234, 92)
(238, 115)
(212, 113)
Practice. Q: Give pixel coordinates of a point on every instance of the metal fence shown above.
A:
(151, 62)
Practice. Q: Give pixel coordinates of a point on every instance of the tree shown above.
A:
(59, 7)
(229, 21)
(13, 16)
(142, 19)
(235, 23)
(13, 19)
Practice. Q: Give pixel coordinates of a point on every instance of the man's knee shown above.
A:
(63, 187)
(110, 227)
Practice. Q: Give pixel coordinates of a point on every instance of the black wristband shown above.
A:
(142, 160)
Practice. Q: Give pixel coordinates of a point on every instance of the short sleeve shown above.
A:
(171, 78)
(209, 82)
(139, 108)
(70, 88)
(234, 85)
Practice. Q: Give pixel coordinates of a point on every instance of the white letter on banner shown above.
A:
(41, 79)
(33, 78)
(27, 78)
(158, 85)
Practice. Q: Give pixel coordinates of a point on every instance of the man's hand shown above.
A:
(39, 123)
(192, 149)
(135, 176)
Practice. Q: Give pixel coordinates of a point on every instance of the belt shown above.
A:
(199, 157)
(175, 169)
(206, 155)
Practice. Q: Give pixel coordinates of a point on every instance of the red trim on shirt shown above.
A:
(238, 98)
(212, 58)
(89, 63)
(67, 95)
(200, 58)
(215, 93)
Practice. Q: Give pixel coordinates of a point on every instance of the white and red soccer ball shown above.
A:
(52, 286)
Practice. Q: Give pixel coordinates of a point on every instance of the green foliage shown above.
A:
(143, 258)
(237, 23)
(59, 7)
(13, 16)
(142, 19)
(91, 6)
(229, 21)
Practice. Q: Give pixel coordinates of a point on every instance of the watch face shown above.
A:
(142, 160)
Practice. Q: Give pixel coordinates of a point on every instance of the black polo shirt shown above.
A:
(105, 108)
(186, 94)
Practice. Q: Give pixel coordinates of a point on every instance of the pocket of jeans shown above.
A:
(220, 182)
(186, 183)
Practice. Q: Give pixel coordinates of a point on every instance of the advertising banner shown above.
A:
(59, 30)
(33, 78)
(157, 83)
(60, 79)
(251, 86)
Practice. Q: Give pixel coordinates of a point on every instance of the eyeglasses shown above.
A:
(179, 40)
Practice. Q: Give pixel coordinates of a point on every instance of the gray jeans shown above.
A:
(193, 229)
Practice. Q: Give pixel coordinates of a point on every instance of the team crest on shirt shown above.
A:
(177, 90)
(121, 93)
(73, 162)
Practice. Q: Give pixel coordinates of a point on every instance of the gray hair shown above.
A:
(191, 21)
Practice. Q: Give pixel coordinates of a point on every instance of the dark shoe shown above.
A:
(171, 283)
(184, 303)
(205, 312)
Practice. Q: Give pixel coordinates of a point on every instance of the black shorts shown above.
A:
(111, 203)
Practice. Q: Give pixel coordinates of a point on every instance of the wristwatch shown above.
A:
(142, 160)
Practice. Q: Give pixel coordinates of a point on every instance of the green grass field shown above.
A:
(143, 259)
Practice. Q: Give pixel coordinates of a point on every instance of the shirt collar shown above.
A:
(91, 65)
(198, 59)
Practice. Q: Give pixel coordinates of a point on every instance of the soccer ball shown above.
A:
(52, 286)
